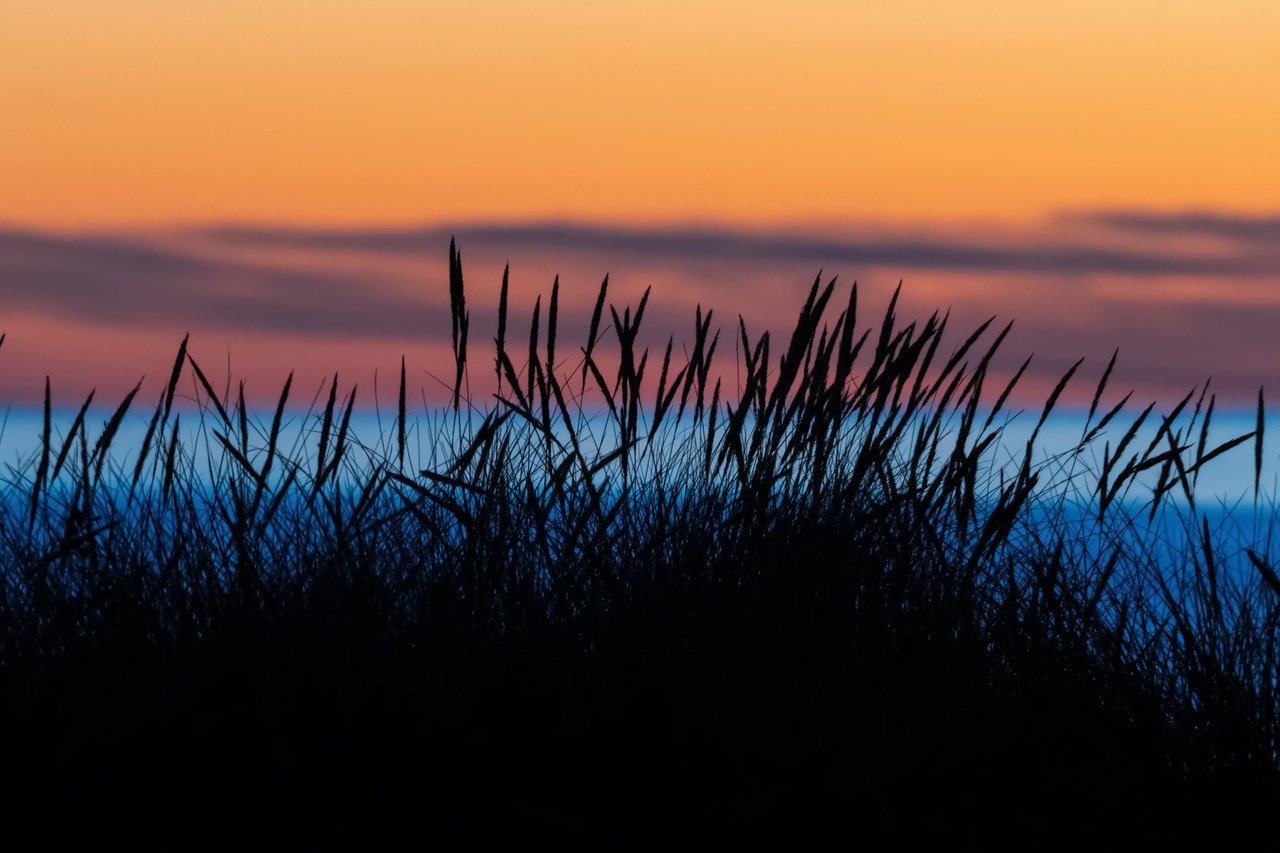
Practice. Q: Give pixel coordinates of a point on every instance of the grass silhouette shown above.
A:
(602, 609)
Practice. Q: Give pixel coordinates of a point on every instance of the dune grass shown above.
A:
(622, 596)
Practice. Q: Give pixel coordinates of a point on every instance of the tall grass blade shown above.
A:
(77, 426)
(1102, 386)
(1257, 446)
(46, 439)
(209, 392)
(113, 426)
(1267, 573)
(400, 416)
(175, 375)
(500, 342)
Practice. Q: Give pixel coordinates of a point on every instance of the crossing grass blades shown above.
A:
(625, 597)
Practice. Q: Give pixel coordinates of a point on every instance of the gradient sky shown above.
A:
(991, 153)
(128, 111)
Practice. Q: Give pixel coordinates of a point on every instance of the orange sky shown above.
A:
(703, 148)
(129, 112)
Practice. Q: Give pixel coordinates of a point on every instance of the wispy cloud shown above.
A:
(131, 282)
(1262, 231)
(1040, 255)
(1180, 307)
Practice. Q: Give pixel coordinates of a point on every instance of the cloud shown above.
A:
(1262, 230)
(320, 299)
(1041, 255)
(132, 282)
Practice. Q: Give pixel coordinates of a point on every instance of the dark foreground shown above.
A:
(730, 715)
(812, 608)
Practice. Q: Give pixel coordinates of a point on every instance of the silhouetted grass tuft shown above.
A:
(818, 601)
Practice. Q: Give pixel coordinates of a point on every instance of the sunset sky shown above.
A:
(1104, 173)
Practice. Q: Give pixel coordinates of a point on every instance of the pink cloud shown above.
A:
(100, 310)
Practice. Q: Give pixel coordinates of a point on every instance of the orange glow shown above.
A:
(143, 111)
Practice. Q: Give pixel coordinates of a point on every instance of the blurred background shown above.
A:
(282, 180)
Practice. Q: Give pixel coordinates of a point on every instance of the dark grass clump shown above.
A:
(603, 608)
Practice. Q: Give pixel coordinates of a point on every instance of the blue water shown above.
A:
(1224, 488)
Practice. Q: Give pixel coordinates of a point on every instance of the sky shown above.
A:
(281, 178)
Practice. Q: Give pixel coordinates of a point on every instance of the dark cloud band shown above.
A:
(701, 243)
(1178, 314)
